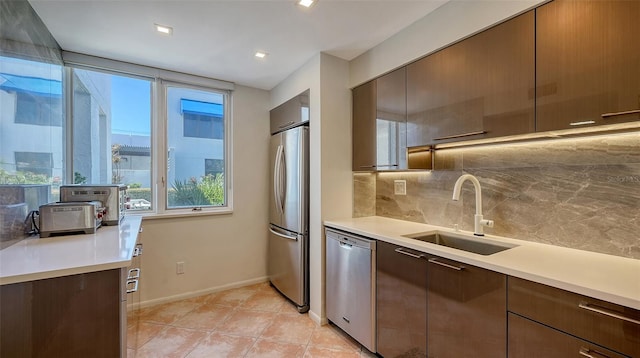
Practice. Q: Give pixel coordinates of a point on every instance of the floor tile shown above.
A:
(291, 328)
(319, 352)
(332, 337)
(221, 346)
(364, 353)
(264, 300)
(233, 297)
(140, 333)
(289, 307)
(172, 342)
(271, 349)
(167, 313)
(206, 317)
(246, 323)
(252, 321)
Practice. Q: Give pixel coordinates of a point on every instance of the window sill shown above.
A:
(184, 213)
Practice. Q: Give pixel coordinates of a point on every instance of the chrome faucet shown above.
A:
(479, 222)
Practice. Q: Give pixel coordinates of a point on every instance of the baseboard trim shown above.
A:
(182, 296)
(317, 319)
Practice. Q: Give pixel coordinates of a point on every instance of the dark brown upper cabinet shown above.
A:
(588, 63)
(481, 87)
(379, 123)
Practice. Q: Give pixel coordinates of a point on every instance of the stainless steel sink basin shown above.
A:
(478, 245)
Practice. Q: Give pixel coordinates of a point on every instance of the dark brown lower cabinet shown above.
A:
(70, 316)
(606, 324)
(466, 310)
(401, 301)
(531, 339)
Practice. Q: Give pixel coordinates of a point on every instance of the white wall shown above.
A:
(330, 155)
(220, 251)
(449, 23)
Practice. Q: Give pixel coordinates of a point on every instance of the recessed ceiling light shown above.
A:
(164, 29)
(261, 54)
(306, 3)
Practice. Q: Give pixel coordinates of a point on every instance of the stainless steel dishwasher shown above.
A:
(350, 285)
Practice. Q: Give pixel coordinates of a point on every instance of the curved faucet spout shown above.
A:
(479, 222)
(476, 185)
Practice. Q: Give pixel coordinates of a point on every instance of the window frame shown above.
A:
(162, 150)
(160, 80)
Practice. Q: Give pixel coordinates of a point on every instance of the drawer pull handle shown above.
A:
(444, 264)
(378, 165)
(623, 113)
(461, 135)
(411, 254)
(346, 319)
(586, 352)
(606, 312)
(135, 286)
(133, 273)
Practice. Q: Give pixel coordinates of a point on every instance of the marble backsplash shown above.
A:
(580, 193)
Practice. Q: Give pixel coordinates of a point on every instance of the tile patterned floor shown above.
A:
(252, 321)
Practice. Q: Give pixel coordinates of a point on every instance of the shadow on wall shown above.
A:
(579, 193)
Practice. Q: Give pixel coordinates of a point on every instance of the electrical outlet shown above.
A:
(180, 268)
(400, 187)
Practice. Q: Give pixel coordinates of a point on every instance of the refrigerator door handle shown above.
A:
(283, 180)
(294, 238)
(276, 178)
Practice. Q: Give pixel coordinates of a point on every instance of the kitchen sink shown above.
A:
(478, 245)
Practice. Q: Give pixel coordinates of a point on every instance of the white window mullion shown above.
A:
(159, 140)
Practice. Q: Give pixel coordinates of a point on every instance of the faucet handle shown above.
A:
(488, 223)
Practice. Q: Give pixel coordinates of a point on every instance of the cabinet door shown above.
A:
(588, 63)
(530, 339)
(363, 130)
(391, 121)
(609, 325)
(401, 301)
(69, 316)
(478, 88)
(466, 310)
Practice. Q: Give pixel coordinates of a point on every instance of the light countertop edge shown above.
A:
(111, 247)
(606, 277)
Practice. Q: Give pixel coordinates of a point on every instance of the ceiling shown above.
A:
(218, 38)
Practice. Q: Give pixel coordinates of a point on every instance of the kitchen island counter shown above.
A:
(41, 258)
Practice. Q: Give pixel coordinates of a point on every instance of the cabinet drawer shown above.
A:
(609, 325)
(530, 339)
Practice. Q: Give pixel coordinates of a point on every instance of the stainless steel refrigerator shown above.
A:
(288, 260)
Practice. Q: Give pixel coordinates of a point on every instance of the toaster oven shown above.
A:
(70, 217)
(112, 196)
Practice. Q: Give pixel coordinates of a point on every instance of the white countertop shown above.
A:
(606, 277)
(35, 258)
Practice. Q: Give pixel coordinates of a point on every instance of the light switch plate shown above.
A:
(400, 187)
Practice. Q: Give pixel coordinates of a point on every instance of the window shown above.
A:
(202, 119)
(199, 115)
(34, 163)
(213, 166)
(32, 147)
(112, 132)
(168, 141)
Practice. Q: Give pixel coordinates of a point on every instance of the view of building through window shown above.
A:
(196, 144)
(111, 133)
(31, 130)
